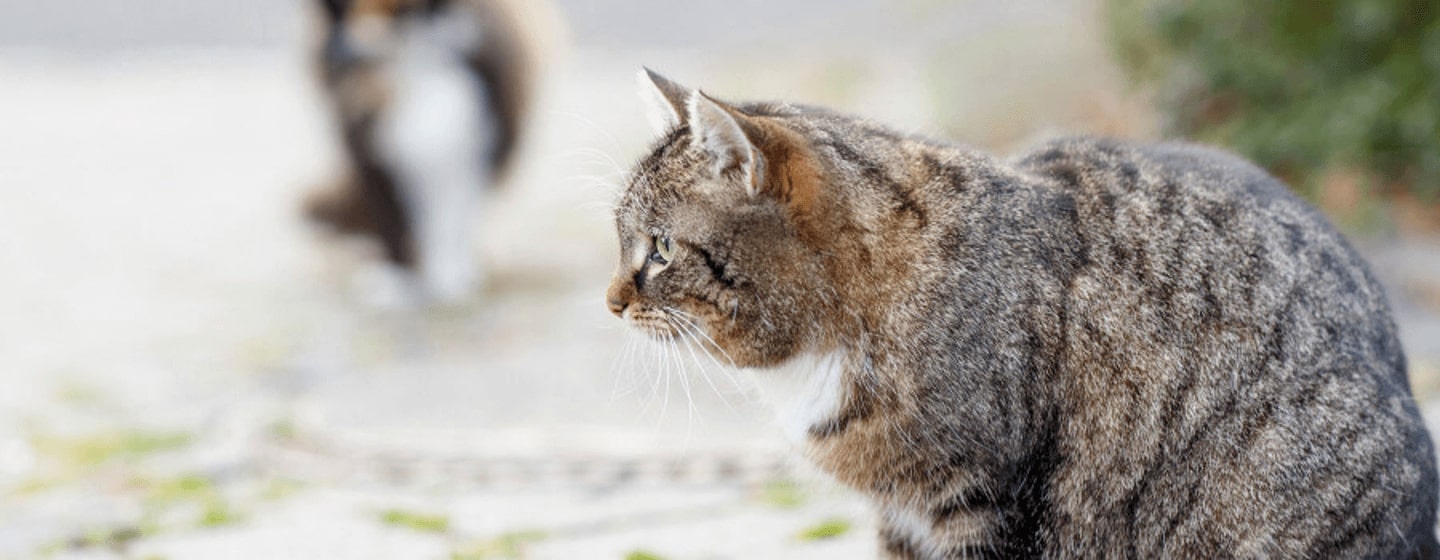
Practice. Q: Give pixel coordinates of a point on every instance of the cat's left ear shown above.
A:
(720, 130)
(664, 100)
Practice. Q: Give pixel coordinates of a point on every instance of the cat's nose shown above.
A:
(616, 306)
(617, 298)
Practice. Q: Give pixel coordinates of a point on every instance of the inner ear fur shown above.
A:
(785, 167)
(718, 130)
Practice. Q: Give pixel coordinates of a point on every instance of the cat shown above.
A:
(1096, 349)
(430, 97)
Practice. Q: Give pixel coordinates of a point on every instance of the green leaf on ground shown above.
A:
(100, 448)
(827, 529)
(280, 488)
(783, 493)
(284, 430)
(416, 521)
(507, 546)
(643, 555)
(181, 488)
(78, 394)
(218, 513)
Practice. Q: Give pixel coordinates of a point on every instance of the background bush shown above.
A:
(1301, 86)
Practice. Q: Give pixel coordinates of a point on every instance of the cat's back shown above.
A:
(1169, 174)
(1228, 350)
(1165, 212)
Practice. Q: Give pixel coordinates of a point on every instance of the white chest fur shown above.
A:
(433, 134)
(915, 528)
(807, 390)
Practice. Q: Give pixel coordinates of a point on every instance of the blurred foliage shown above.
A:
(414, 520)
(508, 546)
(827, 529)
(785, 494)
(99, 448)
(165, 494)
(1300, 86)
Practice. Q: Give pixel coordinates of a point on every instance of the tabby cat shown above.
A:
(1099, 349)
(430, 97)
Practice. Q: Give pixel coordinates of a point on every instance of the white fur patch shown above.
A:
(915, 528)
(806, 391)
(434, 134)
(639, 253)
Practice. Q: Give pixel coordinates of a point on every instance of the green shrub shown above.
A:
(1300, 86)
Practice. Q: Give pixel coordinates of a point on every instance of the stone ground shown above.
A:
(189, 372)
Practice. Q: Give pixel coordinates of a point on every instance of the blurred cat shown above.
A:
(1099, 349)
(430, 97)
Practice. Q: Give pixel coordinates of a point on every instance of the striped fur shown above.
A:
(1098, 349)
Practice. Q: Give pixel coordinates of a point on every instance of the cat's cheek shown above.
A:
(735, 345)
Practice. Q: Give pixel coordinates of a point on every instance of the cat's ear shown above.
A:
(664, 100)
(720, 131)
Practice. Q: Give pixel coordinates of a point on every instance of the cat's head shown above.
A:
(359, 31)
(359, 38)
(718, 230)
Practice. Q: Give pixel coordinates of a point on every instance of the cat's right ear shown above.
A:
(665, 101)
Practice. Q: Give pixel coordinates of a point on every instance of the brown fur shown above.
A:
(1096, 350)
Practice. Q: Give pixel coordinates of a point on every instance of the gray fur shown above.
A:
(1098, 349)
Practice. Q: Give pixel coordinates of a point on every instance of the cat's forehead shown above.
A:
(661, 179)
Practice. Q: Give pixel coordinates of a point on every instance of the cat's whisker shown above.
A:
(688, 336)
(621, 366)
(638, 367)
(600, 204)
(698, 335)
(694, 332)
(616, 367)
(603, 157)
(608, 178)
(609, 182)
(599, 189)
(653, 372)
(609, 186)
(582, 119)
(684, 378)
(693, 325)
(666, 364)
(691, 320)
(640, 371)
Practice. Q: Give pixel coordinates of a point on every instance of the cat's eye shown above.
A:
(664, 250)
